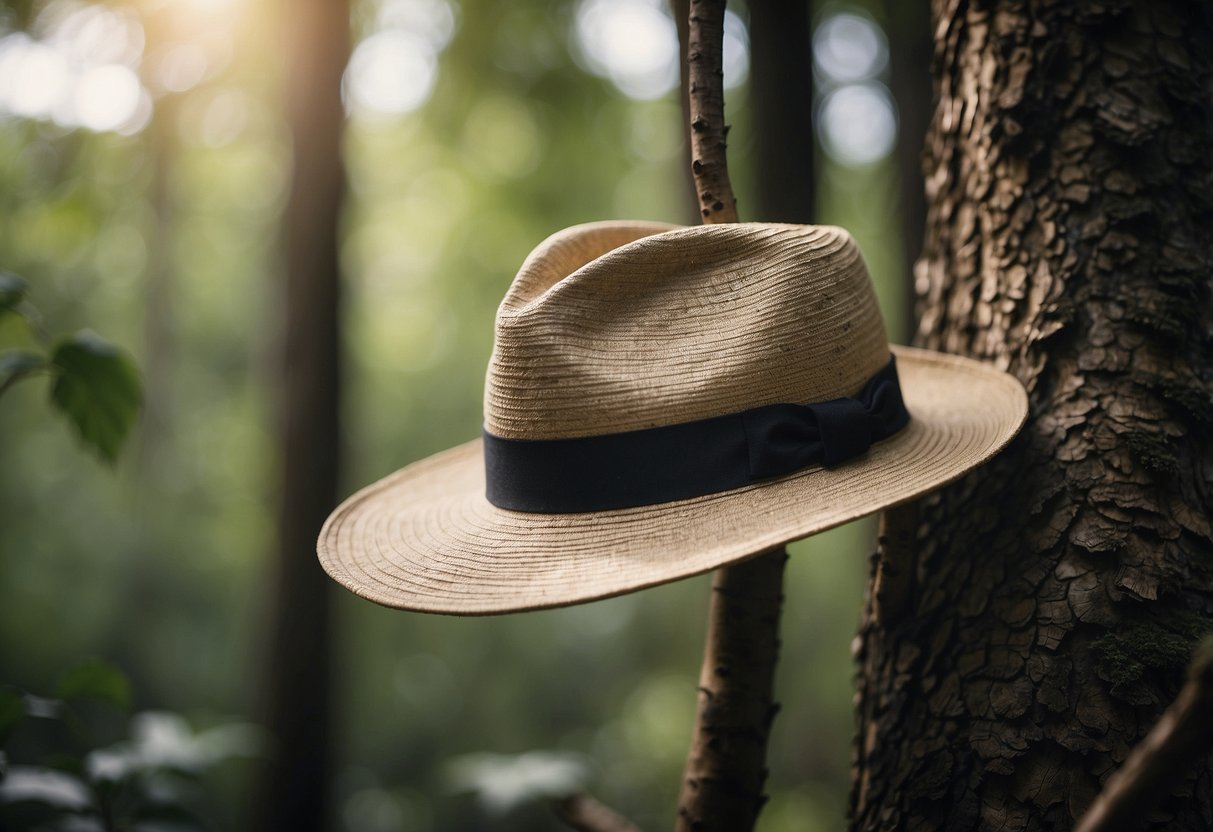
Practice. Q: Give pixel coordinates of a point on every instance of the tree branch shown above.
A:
(722, 786)
(585, 814)
(1184, 731)
(705, 50)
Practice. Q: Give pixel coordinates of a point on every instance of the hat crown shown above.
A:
(621, 326)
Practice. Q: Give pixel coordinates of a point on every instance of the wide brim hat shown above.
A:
(623, 351)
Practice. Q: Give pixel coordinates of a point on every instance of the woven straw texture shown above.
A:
(613, 327)
(620, 326)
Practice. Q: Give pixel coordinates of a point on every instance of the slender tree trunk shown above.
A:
(1027, 626)
(781, 96)
(909, 31)
(294, 794)
(160, 319)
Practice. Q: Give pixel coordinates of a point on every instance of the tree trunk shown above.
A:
(1027, 626)
(160, 318)
(909, 31)
(781, 90)
(294, 792)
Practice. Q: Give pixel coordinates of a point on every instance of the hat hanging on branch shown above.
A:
(661, 402)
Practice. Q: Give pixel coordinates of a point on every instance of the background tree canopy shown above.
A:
(143, 168)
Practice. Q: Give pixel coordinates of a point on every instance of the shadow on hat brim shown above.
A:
(426, 539)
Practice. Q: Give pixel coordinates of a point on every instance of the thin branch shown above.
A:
(585, 814)
(12, 379)
(1182, 734)
(705, 50)
(722, 786)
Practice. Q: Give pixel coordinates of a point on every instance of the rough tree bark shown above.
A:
(1181, 735)
(1027, 628)
(722, 784)
(709, 133)
(294, 792)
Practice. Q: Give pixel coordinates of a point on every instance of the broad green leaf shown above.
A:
(95, 679)
(12, 710)
(98, 389)
(12, 291)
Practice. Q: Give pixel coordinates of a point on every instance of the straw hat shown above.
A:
(660, 402)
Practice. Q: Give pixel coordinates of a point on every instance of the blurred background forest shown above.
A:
(144, 168)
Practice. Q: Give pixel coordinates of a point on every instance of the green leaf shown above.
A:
(12, 291)
(96, 679)
(12, 710)
(98, 389)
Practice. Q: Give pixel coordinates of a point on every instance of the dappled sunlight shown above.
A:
(849, 47)
(81, 64)
(390, 73)
(92, 34)
(393, 70)
(634, 43)
(35, 79)
(858, 125)
(110, 97)
(180, 67)
(856, 118)
(89, 65)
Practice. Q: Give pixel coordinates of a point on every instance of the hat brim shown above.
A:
(426, 539)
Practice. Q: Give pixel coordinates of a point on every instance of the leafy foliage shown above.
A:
(96, 679)
(95, 385)
(97, 388)
(75, 766)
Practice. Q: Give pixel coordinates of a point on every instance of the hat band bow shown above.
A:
(675, 462)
